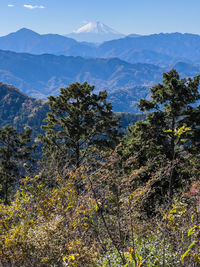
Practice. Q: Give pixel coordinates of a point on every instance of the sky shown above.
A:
(125, 16)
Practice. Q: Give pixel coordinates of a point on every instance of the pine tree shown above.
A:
(15, 149)
(162, 141)
(79, 121)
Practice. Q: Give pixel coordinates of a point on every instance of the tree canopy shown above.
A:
(15, 149)
(163, 142)
(171, 108)
(79, 120)
(108, 201)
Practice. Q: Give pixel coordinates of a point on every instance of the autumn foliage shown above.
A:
(132, 202)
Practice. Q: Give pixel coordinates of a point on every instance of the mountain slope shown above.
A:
(43, 75)
(179, 46)
(148, 57)
(19, 110)
(126, 100)
(187, 70)
(28, 41)
(159, 49)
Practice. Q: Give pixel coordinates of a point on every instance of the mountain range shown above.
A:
(28, 41)
(42, 75)
(159, 49)
(126, 67)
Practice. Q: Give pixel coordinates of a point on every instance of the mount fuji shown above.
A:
(95, 32)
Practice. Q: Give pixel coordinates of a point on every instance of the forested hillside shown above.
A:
(100, 196)
(19, 110)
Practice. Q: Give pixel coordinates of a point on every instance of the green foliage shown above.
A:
(46, 227)
(98, 227)
(19, 110)
(79, 120)
(115, 204)
(15, 150)
(163, 143)
(171, 104)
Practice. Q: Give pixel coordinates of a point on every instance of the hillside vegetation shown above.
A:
(99, 196)
(19, 110)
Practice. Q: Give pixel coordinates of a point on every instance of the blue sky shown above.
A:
(125, 16)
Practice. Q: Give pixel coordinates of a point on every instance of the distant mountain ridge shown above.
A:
(28, 41)
(158, 49)
(42, 75)
(111, 66)
(185, 47)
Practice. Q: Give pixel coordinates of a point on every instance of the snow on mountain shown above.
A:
(95, 32)
(96, 27)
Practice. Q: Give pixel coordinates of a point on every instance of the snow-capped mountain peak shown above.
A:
(95, 32)
(96, 27)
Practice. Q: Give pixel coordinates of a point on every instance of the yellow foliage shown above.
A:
(40, 222)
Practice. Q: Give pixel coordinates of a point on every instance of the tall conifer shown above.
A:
(79, 120)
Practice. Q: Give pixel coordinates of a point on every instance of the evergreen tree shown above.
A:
(170, 130)
(172, 108)
(79, 120)
(15, 149)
